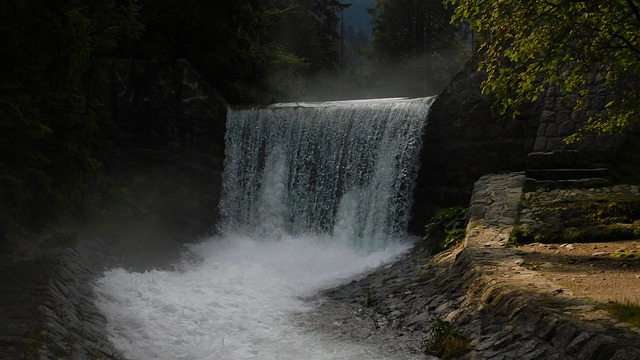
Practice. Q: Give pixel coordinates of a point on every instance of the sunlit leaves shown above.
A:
(528, 46)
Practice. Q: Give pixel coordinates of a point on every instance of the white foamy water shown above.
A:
(314, 195)
(237, 302)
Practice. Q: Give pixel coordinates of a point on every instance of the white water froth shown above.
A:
(341, 167)
(312, 199)
(238, 302)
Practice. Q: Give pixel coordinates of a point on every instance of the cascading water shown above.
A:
(314, 194)
(345, 168)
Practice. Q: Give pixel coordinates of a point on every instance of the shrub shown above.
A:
(448, 223)
(445, 342)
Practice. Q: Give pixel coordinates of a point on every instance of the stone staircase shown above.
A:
(568, 168)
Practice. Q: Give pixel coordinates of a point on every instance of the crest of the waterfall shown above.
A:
(344, 169)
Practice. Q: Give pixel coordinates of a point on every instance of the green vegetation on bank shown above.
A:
(588, 217)
(449, 225)
(528, 47)
(627, 312)
(447, 342)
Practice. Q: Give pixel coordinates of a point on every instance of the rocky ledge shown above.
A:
(483, 290)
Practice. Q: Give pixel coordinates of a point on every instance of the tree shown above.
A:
(306, 33)
(417, 36)
(250, 50)
(50, 117)
(528, 46)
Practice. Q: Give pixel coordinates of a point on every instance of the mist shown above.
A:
(426, 75)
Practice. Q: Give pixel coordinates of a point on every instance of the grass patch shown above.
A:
(627, 312)
(532, 265)
(445, 342)
(626, 255)
(551, 303)
(586, 234)
(580, 219)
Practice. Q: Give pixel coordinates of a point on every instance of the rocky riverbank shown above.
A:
(482, 289)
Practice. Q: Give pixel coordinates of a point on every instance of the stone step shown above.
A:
(533, 184)
(566, 174)
(570, 159)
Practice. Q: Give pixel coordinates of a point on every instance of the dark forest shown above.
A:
(56, 129)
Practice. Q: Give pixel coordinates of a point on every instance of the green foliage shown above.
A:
(249, 50)
(586, 234)
(580, 220)
(627, 312)
(415, 39)
(448, 223)
(529, 46)
(446, 342)
(51, 119)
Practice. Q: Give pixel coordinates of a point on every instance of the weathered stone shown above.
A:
(503, 322)
(464, 140)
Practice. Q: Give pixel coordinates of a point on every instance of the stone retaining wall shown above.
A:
(530, 308)
(558, 120)
(508, 311)
(552, 159)
(464, 140)
(482, 289)
(71, 327)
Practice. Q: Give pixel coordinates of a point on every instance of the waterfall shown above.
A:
(341, 168)
(315, 194)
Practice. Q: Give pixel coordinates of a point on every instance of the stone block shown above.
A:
(552, 130)
(540, 160)
(555, 143)
(540, 144)
(585, 158)
(604, 141)
(564, 159)
(570, 100)
(547, 117)
(602, 89)
(542, 129)
(578, 117)
(560, 104)
(549, 103)
(563, 116)
(566, 128)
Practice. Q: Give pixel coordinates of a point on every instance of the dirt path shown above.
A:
(604, 272)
